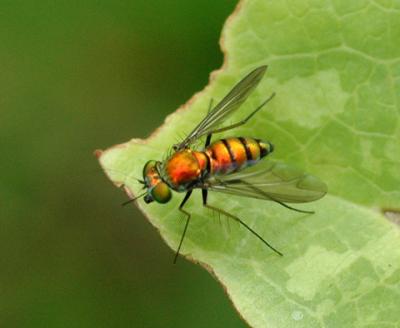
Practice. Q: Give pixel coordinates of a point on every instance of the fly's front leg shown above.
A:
(233, 217)
(188, 215)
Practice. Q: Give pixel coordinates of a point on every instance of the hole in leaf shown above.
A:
(392, 215)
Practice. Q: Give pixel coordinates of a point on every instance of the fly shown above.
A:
(233, 165)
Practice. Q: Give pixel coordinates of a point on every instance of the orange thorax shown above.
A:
(182, 169)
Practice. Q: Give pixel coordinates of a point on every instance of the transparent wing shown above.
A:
(225, 107)
(271, 180)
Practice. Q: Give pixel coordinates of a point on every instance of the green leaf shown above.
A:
(335, 66)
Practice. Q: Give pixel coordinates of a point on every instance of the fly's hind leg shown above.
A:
(188, 215)
(233, 217)
(276, 200)
(244, 121)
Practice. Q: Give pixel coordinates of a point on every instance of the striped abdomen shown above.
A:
(232, 154)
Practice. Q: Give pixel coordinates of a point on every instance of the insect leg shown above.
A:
(277, 201)
(292, 208)
(208, 140)
(235, 125)
(187, 196)
(204, 193)
(220, 211)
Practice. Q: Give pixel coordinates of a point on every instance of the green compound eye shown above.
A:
(161, 193)
(148, 167)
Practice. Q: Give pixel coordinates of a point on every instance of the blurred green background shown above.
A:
(76, 76)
